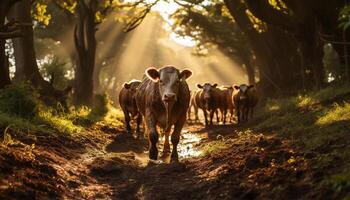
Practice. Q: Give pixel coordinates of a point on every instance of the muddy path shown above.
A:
(219, 162)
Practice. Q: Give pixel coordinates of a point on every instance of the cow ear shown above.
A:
(215, 85)
(250, 86)
(153, 74)
(199, 86)
(126, 85)
(236, 87)
(185, 74)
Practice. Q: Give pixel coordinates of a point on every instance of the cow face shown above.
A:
(243, 91)
(207, 92)
(169, 80)
(132, 86)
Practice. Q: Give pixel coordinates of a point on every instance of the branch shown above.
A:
(9, 35)
(138, 20)
(264, 11)
(128, 5)
(12, 29)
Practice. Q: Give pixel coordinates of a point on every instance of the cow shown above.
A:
(194, 105)
(211, 99)
(163, 99)
(244, 98)
(229, 104)
(127, 103)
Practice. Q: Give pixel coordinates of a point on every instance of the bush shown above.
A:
(20, 100)
(102, 105)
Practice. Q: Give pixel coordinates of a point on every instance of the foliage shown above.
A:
(101, 107)
(335, 114)
(39, 13)
(55, 71)
(339, 182)
(331, 64)
(344, 17)
(60, 123)
(210, 25)
(20, 100)
(258, 24)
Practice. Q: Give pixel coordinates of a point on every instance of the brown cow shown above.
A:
(128, 104)
(163, 99)
(194, 105)
(245, 98)
(210, 98)
(229, 104)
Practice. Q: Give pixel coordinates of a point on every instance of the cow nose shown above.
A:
(242, 97)
(169, 97)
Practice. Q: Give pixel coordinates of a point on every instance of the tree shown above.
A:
(89, 14)
(10, 30)
(211, 24)
(25, 57)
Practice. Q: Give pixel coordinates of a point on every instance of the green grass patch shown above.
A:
(214, 147)
(339, 182)
(318, 122)
(335, 114)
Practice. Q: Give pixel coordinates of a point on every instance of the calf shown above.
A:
(245, 98)
(128, 104)
(163, 99)
(210, 98)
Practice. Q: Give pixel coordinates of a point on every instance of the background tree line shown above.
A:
(282, 44)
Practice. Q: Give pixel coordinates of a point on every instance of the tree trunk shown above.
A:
(25, 58)
(263, 54)
(249, 68)
(85, 44)
(4, 71)
(5, 5)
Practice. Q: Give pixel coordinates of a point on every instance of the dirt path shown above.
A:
(119, 169)
(221, 162)
(216, 163)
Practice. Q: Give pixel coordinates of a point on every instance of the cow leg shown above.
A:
(251, 113)
(166, 148)
(217, 116)
(246, 113)
(224, 115)
(175, 138)
(138, 121)
(152, 135)
(238, 111)
(231, 115)
(127, 119)
(212, 115)
(205, 117)
(189, 113)
(196, 113)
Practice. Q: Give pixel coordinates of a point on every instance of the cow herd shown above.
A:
(163, 99)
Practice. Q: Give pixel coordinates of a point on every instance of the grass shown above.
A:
(335, 114)
(315, 124)
(45, 120)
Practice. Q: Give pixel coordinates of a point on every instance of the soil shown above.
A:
(219, 162)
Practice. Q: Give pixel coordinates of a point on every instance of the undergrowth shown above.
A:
(316, 122)
(23, 114)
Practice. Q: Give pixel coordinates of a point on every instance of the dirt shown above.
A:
(106, 163)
